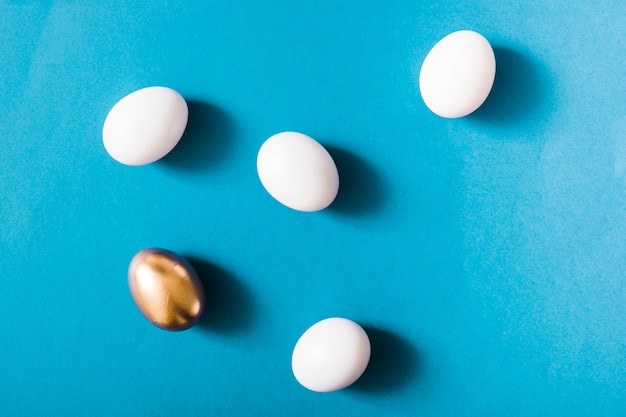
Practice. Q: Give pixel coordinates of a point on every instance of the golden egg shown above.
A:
(166, 289)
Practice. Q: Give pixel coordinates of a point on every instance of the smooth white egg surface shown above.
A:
(331, 355)
(145, 125)
(298, 172)
(457, 74)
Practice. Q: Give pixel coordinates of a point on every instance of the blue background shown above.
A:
(485, 256)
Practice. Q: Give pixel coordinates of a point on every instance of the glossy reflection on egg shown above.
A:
(166, 289)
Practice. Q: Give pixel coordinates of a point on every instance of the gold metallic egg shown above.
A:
(166, 289)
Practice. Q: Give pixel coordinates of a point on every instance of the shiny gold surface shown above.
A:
(166, 289)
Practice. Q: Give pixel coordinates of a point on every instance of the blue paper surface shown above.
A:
(484, 256)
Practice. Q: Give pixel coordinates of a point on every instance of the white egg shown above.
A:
(331, 355)
(297, 171)
(457, 74)
(145, 125)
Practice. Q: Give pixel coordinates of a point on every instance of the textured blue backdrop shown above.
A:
(485, 256)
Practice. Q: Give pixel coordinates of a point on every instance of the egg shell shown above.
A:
(145, 125)
(331, 355)
(298, 171)
(457, 74)
(166, 289)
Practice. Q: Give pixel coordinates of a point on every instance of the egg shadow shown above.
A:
(208, 138)
(229, 304)
(522, 95)
(361, 189)
(394, 363)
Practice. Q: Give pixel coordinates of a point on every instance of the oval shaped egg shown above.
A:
(457, 74)
(331, 355)
(166, 289)
(297, 171)
(145, 125)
